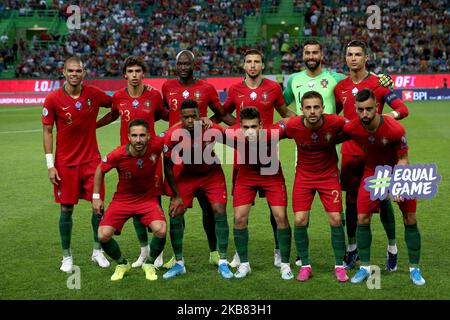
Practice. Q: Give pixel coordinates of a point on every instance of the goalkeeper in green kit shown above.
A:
(315, 78)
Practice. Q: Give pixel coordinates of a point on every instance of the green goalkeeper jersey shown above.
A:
(299, 83)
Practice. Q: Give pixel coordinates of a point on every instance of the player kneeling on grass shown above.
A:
(253, 176)
(384, 143)
(316, 135)
(136, 164)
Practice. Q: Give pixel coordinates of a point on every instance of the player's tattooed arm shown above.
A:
(107, 118)
(285, 112)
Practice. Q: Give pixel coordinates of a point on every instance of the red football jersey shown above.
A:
(148, 106)
(381, 147)
(136, 174)
(178, 139)
(345, 92)
(265, 98)
(75, 118)
(250, 157)
(316, 151)
(174, 93)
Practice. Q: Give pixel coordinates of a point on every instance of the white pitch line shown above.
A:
(22, 131)
(38, 130)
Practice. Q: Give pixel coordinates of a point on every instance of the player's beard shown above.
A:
(314, 67)
(254, 76)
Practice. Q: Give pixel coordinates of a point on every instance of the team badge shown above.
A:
(253, 95)
(148, 104)
(311, 83)
(135, 103)
(265, 96)
(78, 105)
(354, 91)
(404, 143)
(45, 112)
(314, 137)
(197, 95)
(139, 163)
(384, 141)
(324, 83)
(371, 139)
(89, 102)
(152, 158)
(185, 94)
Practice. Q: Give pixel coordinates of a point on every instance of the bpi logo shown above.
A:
(407, 95)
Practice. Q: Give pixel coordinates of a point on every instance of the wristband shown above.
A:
(49, 158)
(396, 114)
(96, 196)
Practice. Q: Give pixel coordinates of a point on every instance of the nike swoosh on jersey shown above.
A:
(343, 92)
(65, 108)
(241, 95)
(299, 86)
(172, 93)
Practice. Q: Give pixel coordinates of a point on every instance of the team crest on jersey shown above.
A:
(197, 95)
(311, 83)
(45, 112)
(355, 91)
(384, 141)
(253, 95)
(148, 104)
(404, 143)
(371, 139)
(89, 102)
(324, 83)
(78, 105)
(135, 103)
(185, 94)
(314, 137)
(265, 96)
(139, 163)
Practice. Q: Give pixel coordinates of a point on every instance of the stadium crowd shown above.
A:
(413, 36)
(112, 29)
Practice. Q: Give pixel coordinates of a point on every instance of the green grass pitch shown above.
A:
(30, 247)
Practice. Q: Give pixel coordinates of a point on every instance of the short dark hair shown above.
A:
(358, 43)
(311, 95)
(250, 113)
(74, 59)
(134, 61)
(189, 104)
(312, 42)
(254, 51)
(138, 122)
(364, 95)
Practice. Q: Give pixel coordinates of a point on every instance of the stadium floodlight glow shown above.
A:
(296, 28)
(283, 22)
